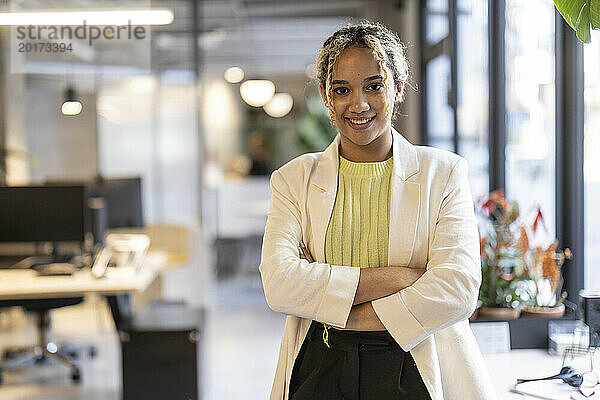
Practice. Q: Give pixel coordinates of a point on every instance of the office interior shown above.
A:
(155, 151)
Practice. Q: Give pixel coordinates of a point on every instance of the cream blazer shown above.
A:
(432, 225)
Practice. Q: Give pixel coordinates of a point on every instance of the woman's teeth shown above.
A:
(360, 121)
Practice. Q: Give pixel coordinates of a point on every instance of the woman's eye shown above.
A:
(340, 90)
(375, 86)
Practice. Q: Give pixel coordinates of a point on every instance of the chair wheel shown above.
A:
(76, 375)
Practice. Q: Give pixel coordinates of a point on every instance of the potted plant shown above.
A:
(502, 265)
(543, 270)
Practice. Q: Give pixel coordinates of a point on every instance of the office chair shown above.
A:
(44, 350)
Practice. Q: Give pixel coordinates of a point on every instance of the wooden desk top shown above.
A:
(26, 284)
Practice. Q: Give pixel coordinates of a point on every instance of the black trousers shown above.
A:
(355, 366)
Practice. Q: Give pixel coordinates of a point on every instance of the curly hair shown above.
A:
(387, 48)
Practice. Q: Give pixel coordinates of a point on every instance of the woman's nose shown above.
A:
(358, 102)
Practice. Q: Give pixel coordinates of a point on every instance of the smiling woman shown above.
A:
(359, 106)
(353, 78)
(371, 247)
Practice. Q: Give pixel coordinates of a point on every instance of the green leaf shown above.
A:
(581, 15)
(595, 13)
(583, 25)
(569, 9)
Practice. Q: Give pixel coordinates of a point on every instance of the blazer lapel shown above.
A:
(404, 202)
(321, 198)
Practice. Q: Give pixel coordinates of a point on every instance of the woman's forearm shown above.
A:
(375, 283)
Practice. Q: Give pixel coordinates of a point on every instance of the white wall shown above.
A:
(12, 90)
(151, 131)
(62, 147)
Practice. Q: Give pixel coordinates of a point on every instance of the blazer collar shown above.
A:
(406, 163)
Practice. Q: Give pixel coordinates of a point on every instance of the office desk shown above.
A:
(116, 286)
(505, 368)
(26, 284)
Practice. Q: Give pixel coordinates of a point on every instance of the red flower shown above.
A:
(538, 218)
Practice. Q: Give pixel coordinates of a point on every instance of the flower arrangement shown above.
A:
(543, 268)
(501, 259)
(516, 274)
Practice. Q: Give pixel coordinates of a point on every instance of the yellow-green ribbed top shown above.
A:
(357, 234)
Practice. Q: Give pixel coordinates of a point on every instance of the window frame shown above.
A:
(569, 123)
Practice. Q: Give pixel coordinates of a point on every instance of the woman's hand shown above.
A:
(304, 253)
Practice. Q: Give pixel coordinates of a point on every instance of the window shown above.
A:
(591, 166)
(530, 109)
(456, 118)
(473, 93)
(440, 115)
(437, 21)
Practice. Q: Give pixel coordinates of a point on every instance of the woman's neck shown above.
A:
(378, 150)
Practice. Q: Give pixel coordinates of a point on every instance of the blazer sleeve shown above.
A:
(448, 291)
(294, 286)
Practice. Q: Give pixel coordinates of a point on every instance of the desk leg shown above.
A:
(121, 310)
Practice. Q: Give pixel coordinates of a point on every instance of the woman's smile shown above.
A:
(360, 123)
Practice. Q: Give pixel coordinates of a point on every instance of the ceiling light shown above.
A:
(280, 105)
(257, 93)
(71, 105)
(234, 74)
(121, 17)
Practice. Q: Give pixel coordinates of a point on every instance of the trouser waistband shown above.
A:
(349, 340)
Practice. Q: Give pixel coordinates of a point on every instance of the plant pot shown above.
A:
(499, 313)
(544, 312)
(474, 315)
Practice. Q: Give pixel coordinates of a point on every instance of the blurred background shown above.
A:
(198, 113)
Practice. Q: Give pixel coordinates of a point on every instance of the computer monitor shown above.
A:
(43, 213)
(123, 199)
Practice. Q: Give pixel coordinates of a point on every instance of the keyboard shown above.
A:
(26, 262)
(54, 269)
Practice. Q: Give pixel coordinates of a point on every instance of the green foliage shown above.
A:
(314, 129)
(502, 268)
(581, 15)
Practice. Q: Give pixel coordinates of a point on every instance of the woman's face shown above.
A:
(359, 98)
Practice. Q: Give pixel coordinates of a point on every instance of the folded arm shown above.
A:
(373, 283)
(448, 291)
(376, 283)
(294, 286)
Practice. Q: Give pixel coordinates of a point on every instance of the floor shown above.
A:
(241, 343)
